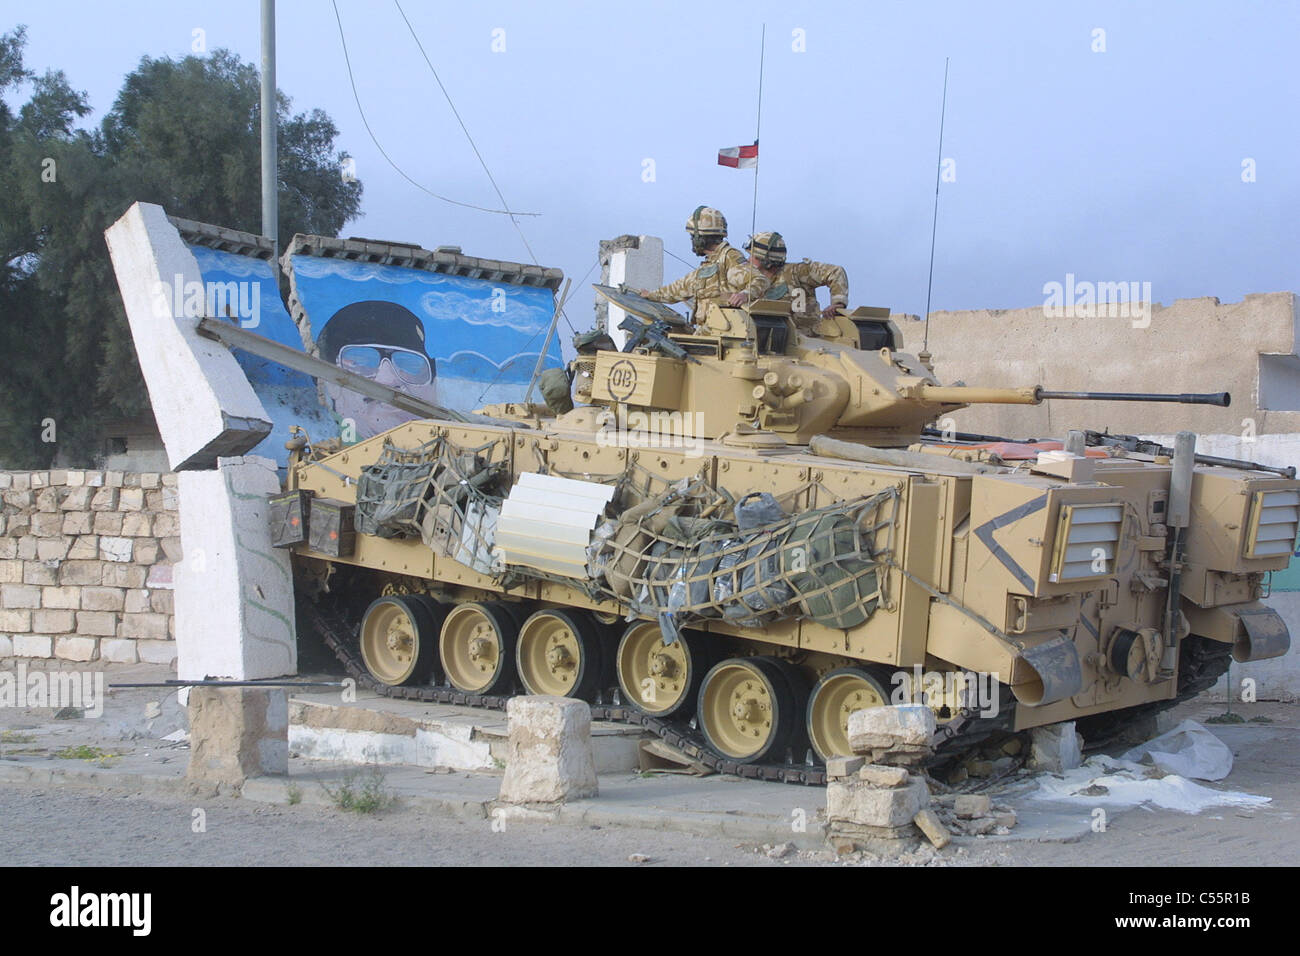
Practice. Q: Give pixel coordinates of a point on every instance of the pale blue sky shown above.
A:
(1118, 166)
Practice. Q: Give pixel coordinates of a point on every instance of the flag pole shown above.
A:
(758, 128)
(934, 226)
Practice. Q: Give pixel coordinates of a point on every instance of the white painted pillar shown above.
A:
(640, 268)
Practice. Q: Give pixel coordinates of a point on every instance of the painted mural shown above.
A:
(454, 341)
(243, 289)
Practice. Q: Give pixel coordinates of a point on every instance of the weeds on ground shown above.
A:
(1226, 718)
(294, 792)
(10, 737)
(85, 752)
(360, 791)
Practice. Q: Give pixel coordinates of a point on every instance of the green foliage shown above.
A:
(181, 133)
(360, 791)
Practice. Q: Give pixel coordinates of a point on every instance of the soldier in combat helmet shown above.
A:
(724, 277)
(798, 281)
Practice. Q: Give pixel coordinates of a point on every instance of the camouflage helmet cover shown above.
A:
(767, 248)
(707, 221)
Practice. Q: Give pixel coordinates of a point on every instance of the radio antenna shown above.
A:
(934, 226)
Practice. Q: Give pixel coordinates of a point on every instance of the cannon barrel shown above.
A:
(1035, 394)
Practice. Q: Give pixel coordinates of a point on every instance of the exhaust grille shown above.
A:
(1274, 521)
(1087, 541)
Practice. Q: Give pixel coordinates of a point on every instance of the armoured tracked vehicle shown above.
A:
(744, 531)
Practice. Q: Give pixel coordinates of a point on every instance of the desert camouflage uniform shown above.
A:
(808, 275)
(723, 273)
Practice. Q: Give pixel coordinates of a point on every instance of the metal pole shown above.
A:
(270, 201)
(934, 226)
(758, 128)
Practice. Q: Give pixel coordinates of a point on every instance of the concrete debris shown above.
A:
(928, 822)
(883, 728)
(780, 851)
(853, 800)
(968, 805)
(638, 858)
(550, 757)
(843, 766)
(238, 732)
(1055, 748)
(887, 777)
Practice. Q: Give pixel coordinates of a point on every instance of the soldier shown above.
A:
(724, 277)
(798, 281)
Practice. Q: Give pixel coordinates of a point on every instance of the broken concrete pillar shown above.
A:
(237, 733)
(203, 403)
(234, 592)
(636, 262)
(550, 758)
(1055, 748)
(928, 822)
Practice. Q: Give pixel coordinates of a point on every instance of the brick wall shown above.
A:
(86, 565)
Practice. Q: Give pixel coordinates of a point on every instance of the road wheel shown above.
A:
(560, 653)
(749, 709)
(657, 678)
(837, 695)
(477, 647)
(398, 637)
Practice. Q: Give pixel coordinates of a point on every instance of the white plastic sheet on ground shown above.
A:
(1188, 750)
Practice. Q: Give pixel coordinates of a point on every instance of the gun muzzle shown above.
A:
(1222, 399)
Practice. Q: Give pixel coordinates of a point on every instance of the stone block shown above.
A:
(102, 599)
(137, 601)
(47, 524)
(844, 766)
(20, 500)
(163, 601)
(11, 571)
(883, 727)
(77, 499)
(854, 801)
(107, 522)
(169, 480)
(47, 500)
(136, 524)
(130, 499)
(6, 646)
(146, 551)
(22, 480)
(149, 479)
(171, 546)
(52, 549)
(95, 479)
(878, 776)
(15, 620)
(64, 596)
(143, 627)
(105, 499)
(81, 572)
(123, 575)
(970, 805)
(114, 479)
(97, 623)
(115, 549)
(928, 822)
(76, 479)
(549, 758)
(76, 648)
(84, 548)
(237, 733)
(157, 652)
(78, 522)
(48, 621)
(114, 651)
(1055, 748)
(26, 546)
(33, 645)
(59, 477)
(19, 596)
(166, 525)
(6, 481)
(40, 573)
(8, 549)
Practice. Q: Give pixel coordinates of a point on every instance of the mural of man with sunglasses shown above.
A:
(385, 342)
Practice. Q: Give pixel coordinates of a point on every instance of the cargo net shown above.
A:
(673, 557)
(444, 494)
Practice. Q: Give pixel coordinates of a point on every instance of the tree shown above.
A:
(181, 133)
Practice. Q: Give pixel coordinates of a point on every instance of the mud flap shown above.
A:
(1263, 634)
(1047, 673)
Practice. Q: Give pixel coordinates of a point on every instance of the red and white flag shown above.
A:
(739, 157)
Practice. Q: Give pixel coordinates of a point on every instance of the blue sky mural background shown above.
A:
(482, 354)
